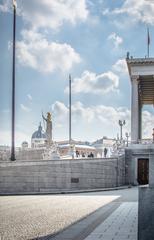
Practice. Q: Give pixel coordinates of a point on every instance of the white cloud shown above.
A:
(49, 13)
(4, 7)
(142, 10)
(148, 124)
(99, 119)
(80, 112)
(88, 120)
(38, 53)
(24, 108)
(60, 110)
(29, 97)
(90, 82)
(5, 137)
(120, 66)
(115, 39)
(54, 13)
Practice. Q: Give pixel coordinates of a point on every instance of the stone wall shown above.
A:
(24, 154)
(58, 175)
(132, 154)
(146, 213)
(146, 205)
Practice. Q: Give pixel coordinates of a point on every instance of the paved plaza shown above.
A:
(120, 225)
(105, 215)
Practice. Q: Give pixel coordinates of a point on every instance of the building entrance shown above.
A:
(143, 171)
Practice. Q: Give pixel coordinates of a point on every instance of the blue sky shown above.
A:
(87, 38)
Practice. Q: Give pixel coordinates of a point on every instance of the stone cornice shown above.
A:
(138, 62)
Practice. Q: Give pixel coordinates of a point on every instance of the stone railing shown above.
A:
(143, 141)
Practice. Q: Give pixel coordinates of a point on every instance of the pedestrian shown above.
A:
(105, 152)
(91, 155)
(83, 155)
(77, 153)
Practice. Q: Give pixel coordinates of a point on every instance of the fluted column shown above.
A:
(135, 110)
(140, 120)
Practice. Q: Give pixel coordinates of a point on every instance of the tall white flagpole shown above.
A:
(13, 84)
(70, 110)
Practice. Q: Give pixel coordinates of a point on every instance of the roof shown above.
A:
(39, 133)
(138, 62)
(77, 146)
(24, 142)
(143, 70)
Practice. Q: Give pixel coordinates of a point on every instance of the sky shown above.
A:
(88, 39)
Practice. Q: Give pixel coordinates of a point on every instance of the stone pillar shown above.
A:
(146, 204)
(140, 121)
(135, 110)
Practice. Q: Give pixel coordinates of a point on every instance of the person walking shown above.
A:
(105, 152)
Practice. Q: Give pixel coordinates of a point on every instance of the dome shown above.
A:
(39, 133)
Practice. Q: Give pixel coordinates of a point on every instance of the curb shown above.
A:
(66, 191)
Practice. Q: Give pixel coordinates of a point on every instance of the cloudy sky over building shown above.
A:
(87, 38)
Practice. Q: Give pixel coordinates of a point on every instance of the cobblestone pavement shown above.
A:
(30, 217)
(72, 216)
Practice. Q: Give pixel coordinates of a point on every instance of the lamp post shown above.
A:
(121, 124)
(127, 136)
(153, 135)
(13, 84)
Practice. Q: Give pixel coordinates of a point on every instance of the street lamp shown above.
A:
(153, 135)
(127, 136)
(121, 124)
(13, 84)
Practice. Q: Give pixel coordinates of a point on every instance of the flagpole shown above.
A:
(148, 41)
(70, 110)
(13, 85)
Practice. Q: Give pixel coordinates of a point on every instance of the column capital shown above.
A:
(135, 78)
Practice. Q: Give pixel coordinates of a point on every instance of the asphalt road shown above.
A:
(30, 217)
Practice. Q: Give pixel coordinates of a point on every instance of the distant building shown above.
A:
(4, 152)
(38, 139)
(103, 143)
(80, 150)
(24, 145)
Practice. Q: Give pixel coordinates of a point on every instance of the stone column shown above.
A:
(134, 110)
(140, 121)
(146, 204)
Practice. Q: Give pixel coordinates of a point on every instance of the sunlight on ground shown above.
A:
(25, 217)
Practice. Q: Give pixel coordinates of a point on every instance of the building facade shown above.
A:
(38, 139)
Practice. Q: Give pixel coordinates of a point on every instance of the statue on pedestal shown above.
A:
(48, 121)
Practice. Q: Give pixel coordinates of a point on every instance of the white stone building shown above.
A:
(38, 139)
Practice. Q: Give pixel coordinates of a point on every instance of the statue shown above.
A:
(48, 121)
(51, 153)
